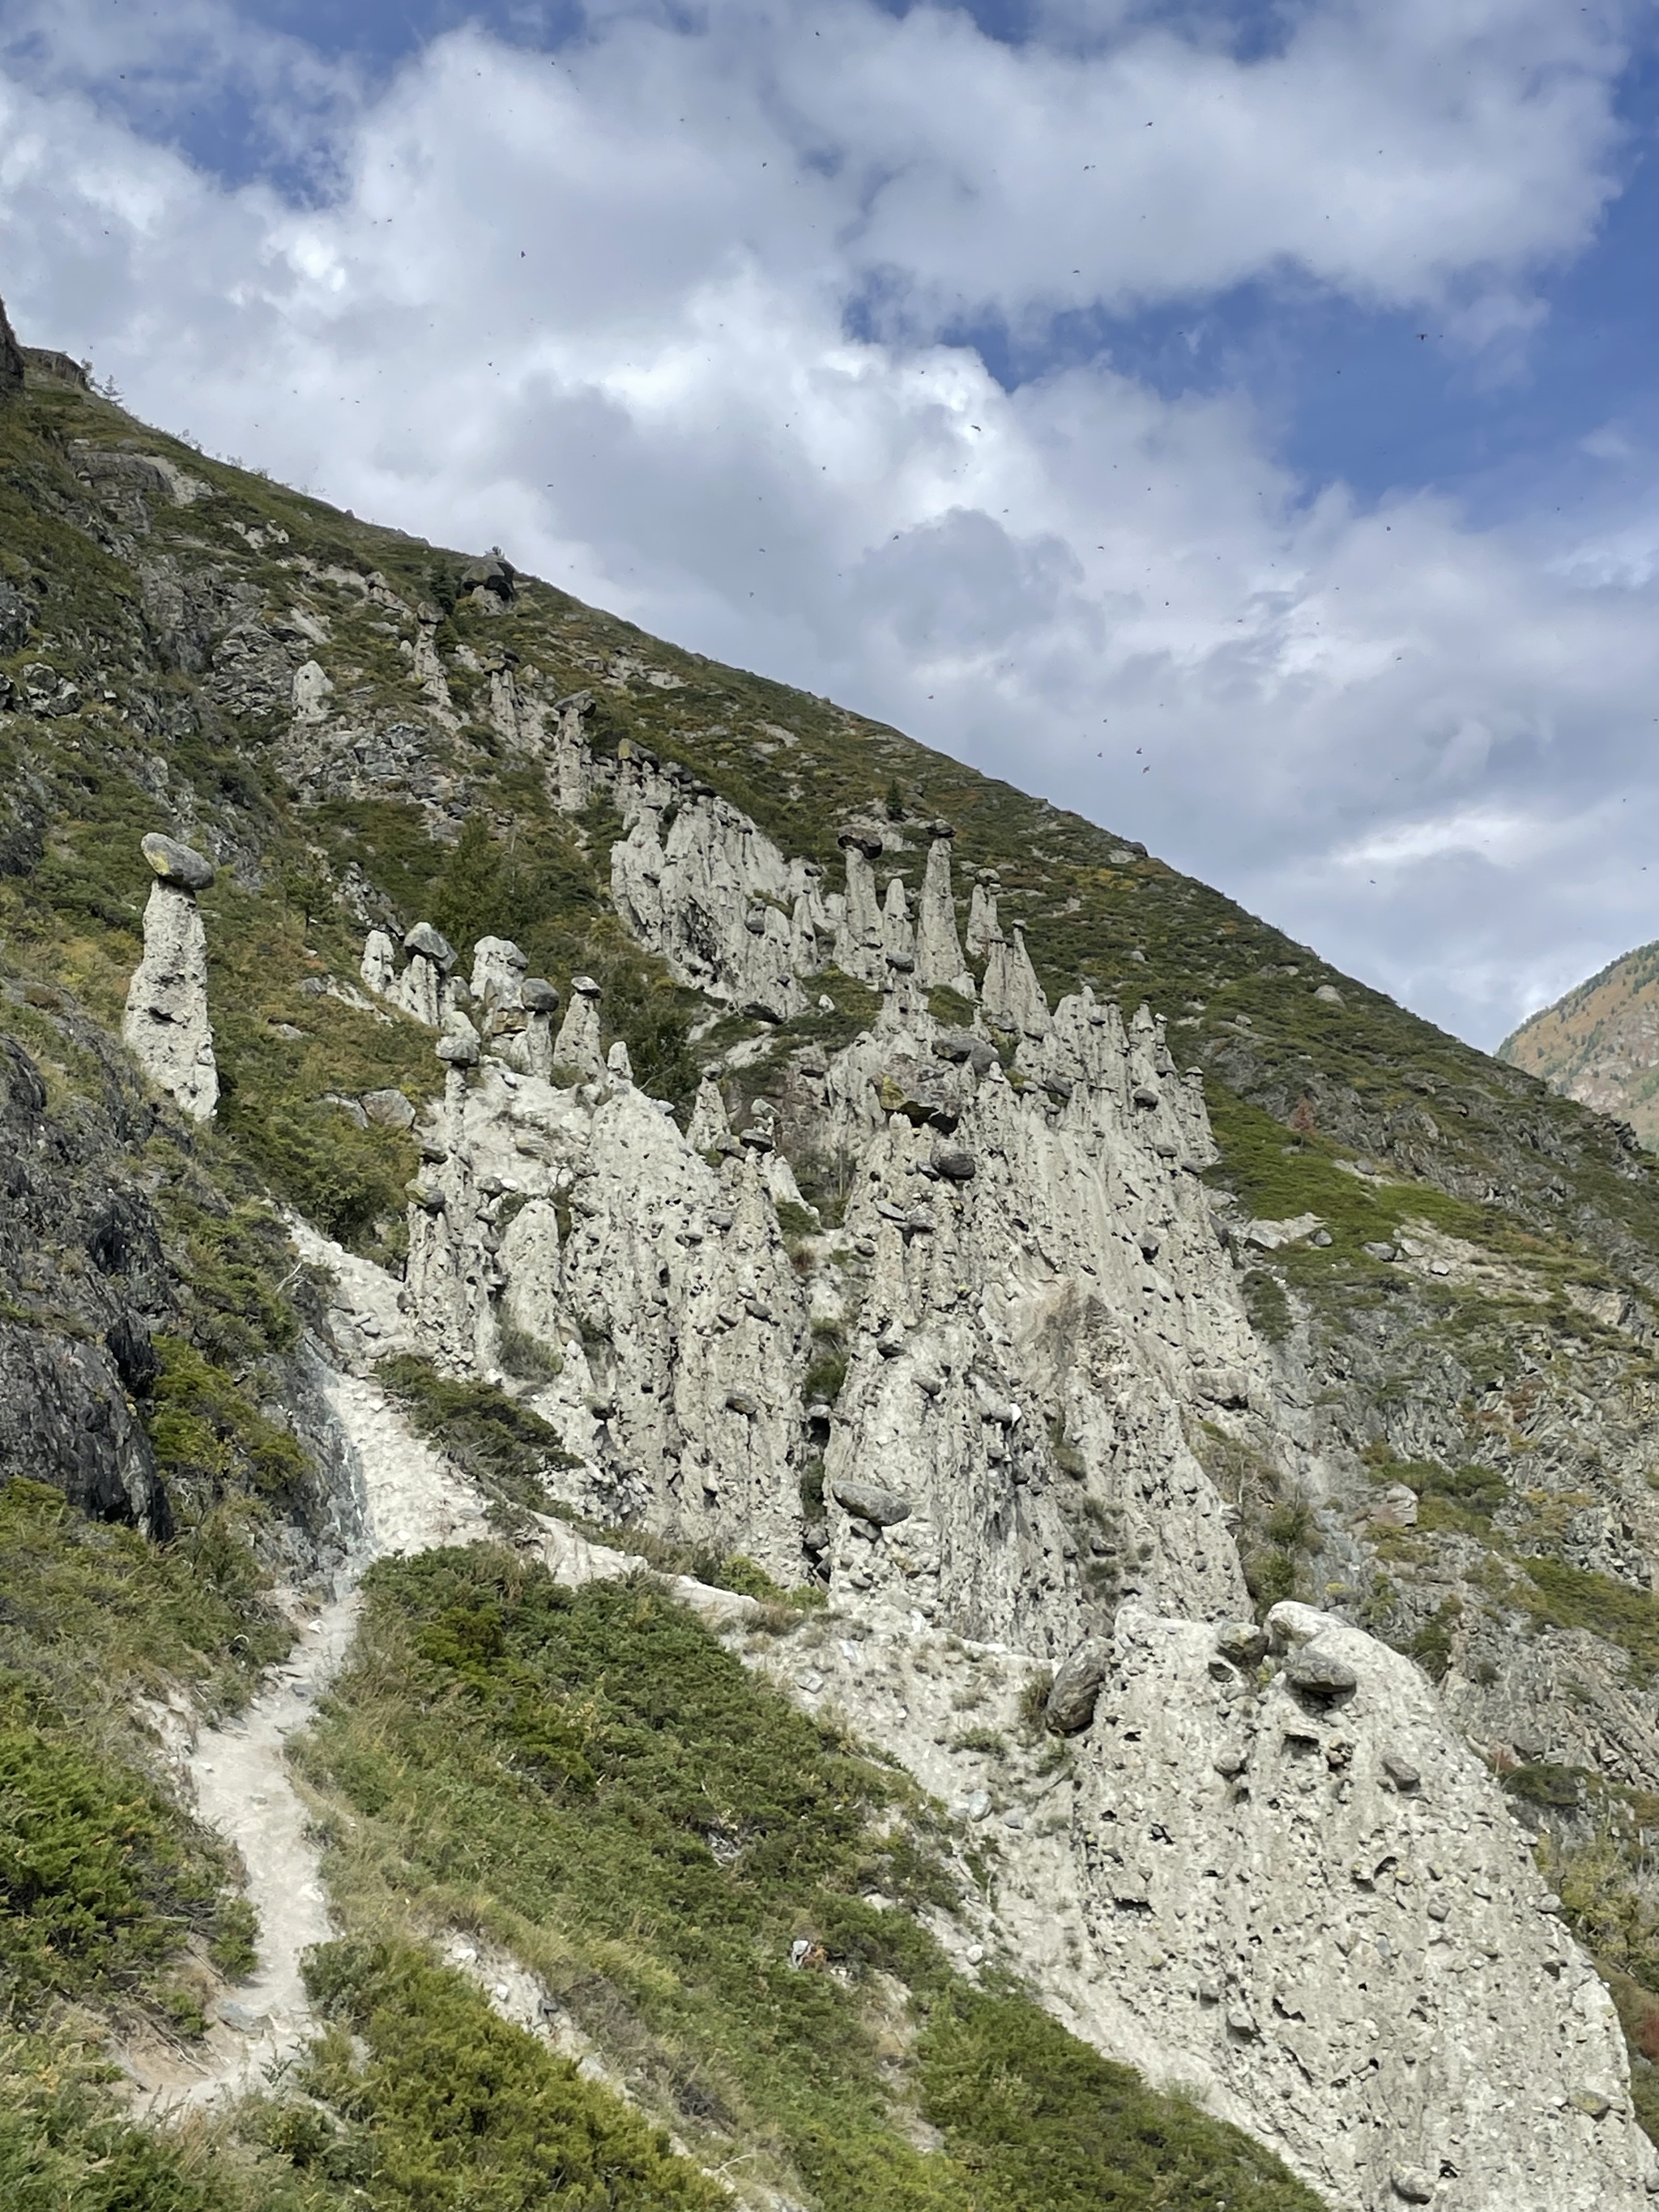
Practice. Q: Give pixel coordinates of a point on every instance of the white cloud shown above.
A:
(597, 308)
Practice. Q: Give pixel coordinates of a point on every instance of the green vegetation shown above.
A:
(1567, 1596)
(103, 1880)
(509, 1450)
(590, 1777)
(450, 2107)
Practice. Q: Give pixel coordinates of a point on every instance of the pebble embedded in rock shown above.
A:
(1070, 1708)
(1412, 2185)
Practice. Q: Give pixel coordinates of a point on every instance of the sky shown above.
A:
(1236, 423)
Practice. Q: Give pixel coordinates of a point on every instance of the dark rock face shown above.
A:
(11, 360)
(64, 1420)
(76, 1240)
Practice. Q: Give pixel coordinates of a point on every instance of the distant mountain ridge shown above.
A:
(1599, 1043)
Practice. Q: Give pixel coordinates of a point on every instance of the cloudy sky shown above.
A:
(1236, 422)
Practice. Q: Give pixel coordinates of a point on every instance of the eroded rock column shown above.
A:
(166, 1025)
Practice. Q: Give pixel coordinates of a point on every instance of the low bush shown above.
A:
(451, 2108)
(507, 1448)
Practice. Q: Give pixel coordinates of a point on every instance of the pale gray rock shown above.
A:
(577, 1045)
(1270, 1235)
(1368, 2031)
(710, 1129)
(166, 1025)
(389, 1109)
(712, 894)
(859, 943)
(498, 973)
(313, 690)
(898, 940)
(379, 963)
(938, 949)
(1010, 994)
(983, 931)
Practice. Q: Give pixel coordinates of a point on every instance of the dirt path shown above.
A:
(412, 1500)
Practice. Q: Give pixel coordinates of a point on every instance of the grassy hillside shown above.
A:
(499, 1751)
(1600, 1044)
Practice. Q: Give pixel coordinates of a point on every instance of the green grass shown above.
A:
(452, 2109)
(552, 1765)
(1568, 1597)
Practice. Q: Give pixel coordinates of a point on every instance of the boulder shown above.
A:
(492, 575)
(177, 864)
(1072, 1700)
(1320, 1674)
(539, 996)
(869, 1501)
(1241, 1642)
(426, 941)
(962, 1046)
(389, 1109)
(953, 1164)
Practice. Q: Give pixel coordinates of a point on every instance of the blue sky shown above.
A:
(1238, 423)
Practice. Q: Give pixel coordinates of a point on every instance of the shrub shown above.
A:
(1266, 1305)
(506, 1448)
(457, 2108)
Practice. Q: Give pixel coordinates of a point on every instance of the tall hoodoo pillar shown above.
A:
(166, 1025)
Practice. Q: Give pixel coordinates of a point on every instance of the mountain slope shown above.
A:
(835, 1250)
(1599, 1043)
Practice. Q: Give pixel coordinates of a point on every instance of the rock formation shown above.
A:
(938, 949)
(11, 360)
(167, 1026)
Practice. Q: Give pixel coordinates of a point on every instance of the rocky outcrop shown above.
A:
(11, 360)
(860, 939)
(1287, 1873)
(422, 986)
(167, 1026)
(65, 1419)
(1341, 1927)
(1012, 997)
(578, 1045)
(701, 886)
(938, 949)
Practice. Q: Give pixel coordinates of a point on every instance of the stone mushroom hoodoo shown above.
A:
(166, 1025)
